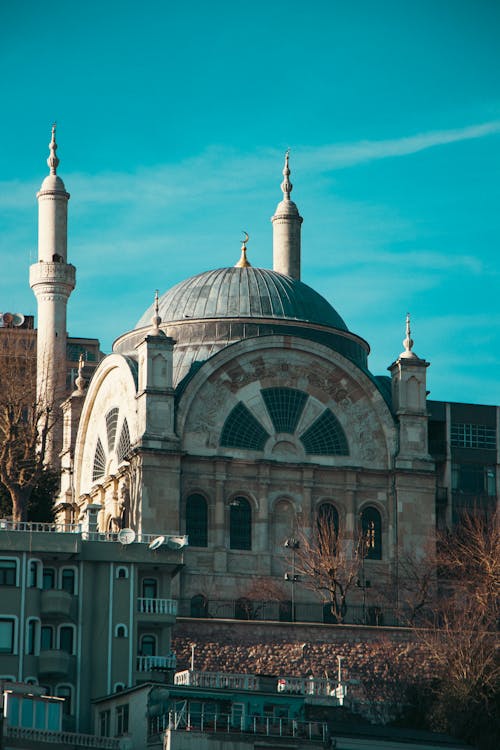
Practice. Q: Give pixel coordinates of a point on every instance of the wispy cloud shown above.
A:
(351, 154)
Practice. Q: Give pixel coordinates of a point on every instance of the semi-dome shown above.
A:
(244, 292)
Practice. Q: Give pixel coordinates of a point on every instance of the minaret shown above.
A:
(286, 230)
(52, 280)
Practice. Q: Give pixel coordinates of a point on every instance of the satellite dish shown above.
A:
(156, 542)
(177, 542)
(17, 319)
(126, 536)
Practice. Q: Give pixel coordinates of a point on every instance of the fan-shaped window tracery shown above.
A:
(111, 424)
(285, 407)
(325, 437)
(242, 430)
(123, 442)
(99, 467)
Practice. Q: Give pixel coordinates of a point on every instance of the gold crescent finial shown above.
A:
(243, 262)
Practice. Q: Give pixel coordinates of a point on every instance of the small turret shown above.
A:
(286, 230)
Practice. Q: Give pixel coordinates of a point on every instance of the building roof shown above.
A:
(244, 292)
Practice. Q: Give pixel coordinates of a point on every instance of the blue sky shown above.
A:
(172, 124)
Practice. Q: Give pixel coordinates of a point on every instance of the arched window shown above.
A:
(328, 516)
(199, 606)
(122, 572)
(371, 527)
(240, 524)
(147, 645)
(120, 631)
(66, 692)
(197, 521)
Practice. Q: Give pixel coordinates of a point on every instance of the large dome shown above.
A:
(244, 293)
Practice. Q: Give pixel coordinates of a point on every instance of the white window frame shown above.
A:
(73, 628)
(121, 625)
(4, 558)
(124, 568)
(15, 644)
(71, 696)
(75, 581)
(38, 635)
(38, 574)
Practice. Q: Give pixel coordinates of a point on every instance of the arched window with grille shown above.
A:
(240, 524)
(197, 521)
(371, 528)
(147, 645)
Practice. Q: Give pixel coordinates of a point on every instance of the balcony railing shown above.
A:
(157, 606)
(257, 725)
(156, 663)
(216, 680)
(68, 739)
(291, 685)
(88, 536)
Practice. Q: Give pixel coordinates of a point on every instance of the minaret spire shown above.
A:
(243, 261)
(286, 185)
(53, 160)
(156, 320)
(408, 341)
(286, 229)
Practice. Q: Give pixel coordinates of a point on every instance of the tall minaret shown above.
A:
(52, 280)
(286, 230)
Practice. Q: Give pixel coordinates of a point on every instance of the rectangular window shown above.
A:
(66, 639)
(472, 436)
(7, 632)
(46, 638)
(33, 574)
(31, 636)
(121, 719)
(8, 572)
(104, 723)
(49, 578)
(68, 580)
(473, 479)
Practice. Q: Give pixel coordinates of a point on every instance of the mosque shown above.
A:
(241, 408)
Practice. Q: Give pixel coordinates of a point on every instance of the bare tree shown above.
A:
(329, 562)
(461, 639)
(417, 584)
(25, 422)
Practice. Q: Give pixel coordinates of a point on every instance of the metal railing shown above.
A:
(69, 739)
(229, 723)
(262, 611)
(217, 680)
(157, 606)
(156, 663)
(76, 528)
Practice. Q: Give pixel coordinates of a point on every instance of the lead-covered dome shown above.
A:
(246, 292)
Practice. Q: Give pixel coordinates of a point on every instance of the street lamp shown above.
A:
(292, 544)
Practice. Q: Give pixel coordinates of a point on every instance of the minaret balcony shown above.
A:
(53, 273)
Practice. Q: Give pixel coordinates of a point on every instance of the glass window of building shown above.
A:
(197, 521)
(240, 524)
(371, 527)
(8, 572)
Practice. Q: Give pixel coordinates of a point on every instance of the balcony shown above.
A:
(192, 678)
(156, 663)
(164, 609)
(37, 738)
(307, 686)
(54, 662)
(288, 730)
(56, 603)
